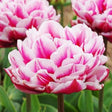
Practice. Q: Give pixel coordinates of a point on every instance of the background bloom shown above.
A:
(16, 16)
(97, 14)
(58, 60)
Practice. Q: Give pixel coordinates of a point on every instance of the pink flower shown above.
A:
(97, 14)
(16, 16)
(58, 60)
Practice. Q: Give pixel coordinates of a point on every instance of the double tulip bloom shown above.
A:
(16, 16)
(58, 60)
(97, 14)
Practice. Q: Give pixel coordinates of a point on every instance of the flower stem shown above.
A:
(61, 6)
(60, 103)
(28, 102)
(101, 92)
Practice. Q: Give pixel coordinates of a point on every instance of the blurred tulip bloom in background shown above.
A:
(58, 60)
(16, 16)
(97, 14)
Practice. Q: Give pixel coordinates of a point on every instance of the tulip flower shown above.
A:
(97, 14)
(16, 16)
(58, 60)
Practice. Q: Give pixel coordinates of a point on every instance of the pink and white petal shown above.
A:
(47, 65)
(29, 90)
(94, 84)
(65, 51)
(25, 51)
(63, 71)
(9, 71)
(14, 33)
(70, 35)
(33, 65)
(103, 59)
(44, 47)
(59, 42)
(52, 27)
(67, 88)
(15, 59)
(101, 73)
(25, 73)
(25, 23)
(19, 12)
(44, 77)
(59, 55)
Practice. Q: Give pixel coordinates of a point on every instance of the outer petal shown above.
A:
(52, 27)
(15, 59)
(67, 88)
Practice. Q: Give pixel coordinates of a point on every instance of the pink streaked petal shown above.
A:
(94, 86)
(43, 77)
(15, 59)
(44, 47)
(25, 51)
(52, 27)
(4, 19)
(25, 23)
(108, 35)
(103, 59)
(70, 35)
(101, 73)
(13, 20)
(65, 51)
(37, 64)
(51, 14)
(33, 65)
(2, 25)
(68, 61)
(63, 71)
(25, 73)
(67, 88)
(59, 55)
(78, 70)
(15, 33)
(59, 42)
(47, 64)
(29, 90)
(36, 5)
(19, 12)
(8, 71)
(92, 64)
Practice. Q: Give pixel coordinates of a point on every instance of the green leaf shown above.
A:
(35, 104)
(110, 108)
(51, 99)
(95, 102)
(5, 100)
(47, 108)
(1, 107)
(108, 93)
(7, 82)
(15, 95)
(23, 107)
(85, 101)
(73, 98)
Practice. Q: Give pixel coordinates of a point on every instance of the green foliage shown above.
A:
(85, 102)
(47, 108)
(35, 104)
(23, 107)
(5, 101)
(7, 82)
